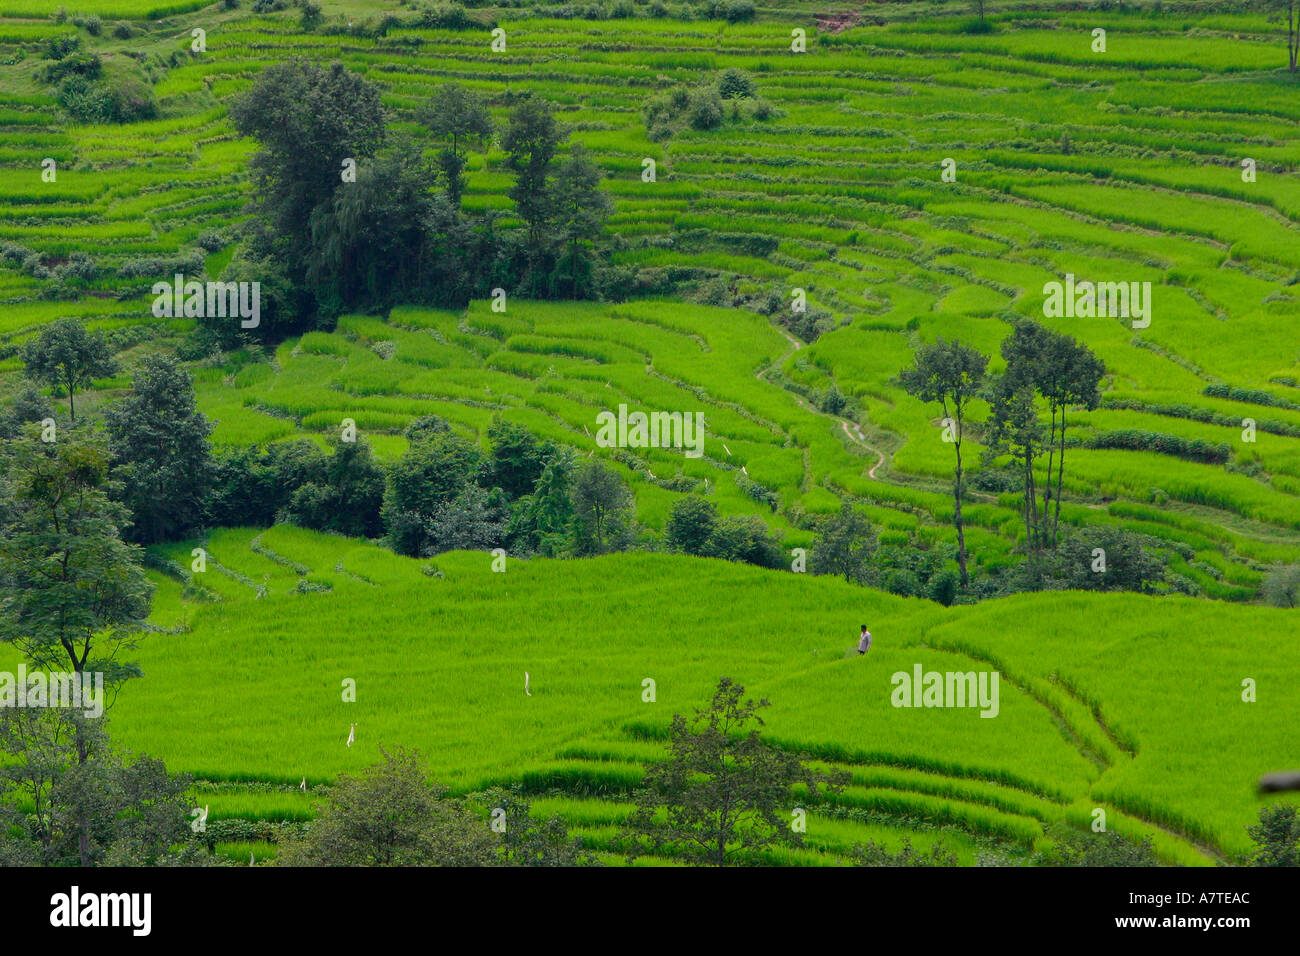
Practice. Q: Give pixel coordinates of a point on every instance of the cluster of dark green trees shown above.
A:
(1049, 372)
(349, 216)
(529, 496)
(525, 495)
(73, 599)
(695, 527)
(848, 546)
(536, 497)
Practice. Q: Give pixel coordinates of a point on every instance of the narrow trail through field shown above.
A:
(858, 438)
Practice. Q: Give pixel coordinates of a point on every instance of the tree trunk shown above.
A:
(573, 268)
(1044, 537)
(1060, 474)
(956, 497)
(1031, 503)
(83, 822)
(1292, 34)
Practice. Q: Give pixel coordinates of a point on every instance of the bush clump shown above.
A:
(735, 84)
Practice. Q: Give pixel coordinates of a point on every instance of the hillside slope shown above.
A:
(1128, 703)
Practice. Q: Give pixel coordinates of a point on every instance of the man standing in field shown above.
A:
(864, 642)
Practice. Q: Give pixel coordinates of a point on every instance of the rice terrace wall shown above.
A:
(456, 394)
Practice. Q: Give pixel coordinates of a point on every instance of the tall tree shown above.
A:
(580, 210)
(602, 507)
(431, 473)
(137, 813)
(951, 374)
(723, 792)
(1064, 373)
(691, 523)
(551, 508)
(348, 495)
(372, 242)
(530, 142)
(458, 114)
(1079, 385)
(475, 520)
(72, 593)
(844, 545)
(65, 355)
(517, 457)
(159, 440)
(308, 119)
(1014, 429)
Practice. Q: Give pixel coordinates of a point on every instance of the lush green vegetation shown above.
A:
(795, 249)
(1129, 703)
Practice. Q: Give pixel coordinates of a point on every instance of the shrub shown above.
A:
(424, 428)
(875, 854)
(943, 587)
(735, 84)
(744, 538)
(808, 324)
(832, 401)
(998, 480)
(311, 16)
(123, 101)
(705, 112)
(691, 524)
(1072, 848)
(87, 101)
(903, 582)
(659, 132)
(57, 47)
(738, 11)
(759, 492)
(446, 16)
(1281, 586)
(1191, 449)
(212, 240)
(79, 266)
(1249, 395)
(1277, 836)
(1124, 564)
(86, 65)
(188, 263)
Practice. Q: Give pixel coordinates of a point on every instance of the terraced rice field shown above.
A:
(1122, 166)
(1130, 704)
(1064, 166)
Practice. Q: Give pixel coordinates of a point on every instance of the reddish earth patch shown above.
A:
(836, 22)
